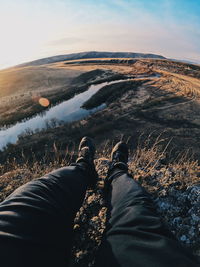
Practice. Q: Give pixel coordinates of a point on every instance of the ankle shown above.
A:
(117, 167)
(84, 161)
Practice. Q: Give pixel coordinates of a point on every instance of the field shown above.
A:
(21, 87)
(157, 99)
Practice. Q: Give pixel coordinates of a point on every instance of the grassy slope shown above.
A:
(55, 84)
(172, 186)
(22, 87)
(108, 94)
(170, 104)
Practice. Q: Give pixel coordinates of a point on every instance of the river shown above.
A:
(67, 111)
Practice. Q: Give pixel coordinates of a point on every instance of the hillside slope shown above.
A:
(161, 95)
(154, 106)
(91, 54)
(174, 188)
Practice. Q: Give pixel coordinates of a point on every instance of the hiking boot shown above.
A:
(86, 152)
(119, 159)
(119, 153)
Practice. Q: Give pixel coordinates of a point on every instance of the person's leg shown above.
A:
(134, 234)
(36, 220)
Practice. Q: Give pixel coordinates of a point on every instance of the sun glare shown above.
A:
(24, 37)
(44, 102)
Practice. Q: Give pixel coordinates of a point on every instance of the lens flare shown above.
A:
(44, 102)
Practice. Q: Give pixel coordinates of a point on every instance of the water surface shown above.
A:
(67, 111)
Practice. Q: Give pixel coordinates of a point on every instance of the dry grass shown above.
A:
(15, 174)
(21, 87)
(145, 160)
(181, 85)
(21, 80)
(145, 164)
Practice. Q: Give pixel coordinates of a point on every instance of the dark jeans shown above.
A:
(36, 223)
(135, 236)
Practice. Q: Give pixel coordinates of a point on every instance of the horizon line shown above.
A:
(184, 60)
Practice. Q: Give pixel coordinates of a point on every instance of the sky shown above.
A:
(33, 29)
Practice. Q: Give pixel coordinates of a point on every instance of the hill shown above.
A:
(153, 104)
(160, 95)
(90, 54)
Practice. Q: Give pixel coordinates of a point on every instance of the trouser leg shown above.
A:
(134, 234)
(36, 220)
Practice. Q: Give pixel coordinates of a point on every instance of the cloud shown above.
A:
(66, 26)
(65, 41)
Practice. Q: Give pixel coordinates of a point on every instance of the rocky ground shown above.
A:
(178, 205)
(175, 189)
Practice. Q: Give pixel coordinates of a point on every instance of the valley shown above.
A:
(161, 96)
(152, 104)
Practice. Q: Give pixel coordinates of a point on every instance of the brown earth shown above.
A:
(168, 102)
(137, 112)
